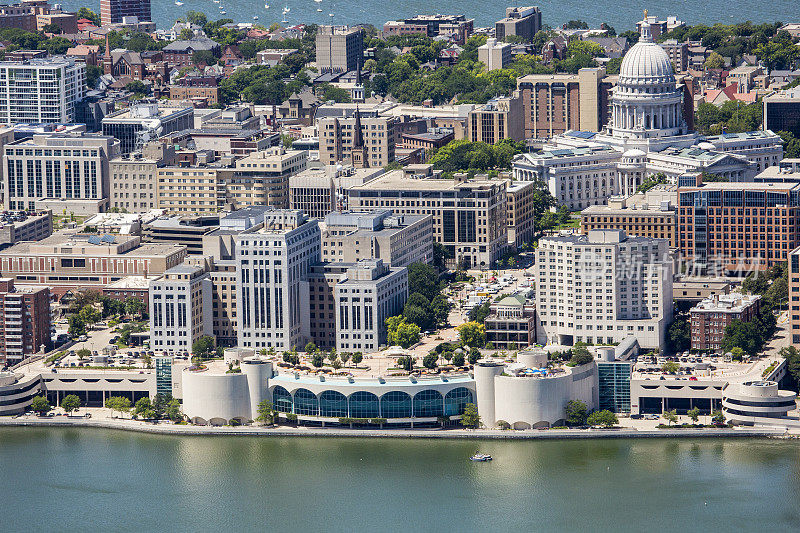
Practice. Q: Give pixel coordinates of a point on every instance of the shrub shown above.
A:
(502, 424)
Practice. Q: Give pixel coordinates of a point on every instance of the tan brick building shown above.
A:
(555, 103)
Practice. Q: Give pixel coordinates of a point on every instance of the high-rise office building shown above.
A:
(69, 170)
(180, 308)
(272, 265)
(112, 11)
(602, 288)
(520, 21)
(339, 48)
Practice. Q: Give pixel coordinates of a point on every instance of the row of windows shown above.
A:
(361, 404)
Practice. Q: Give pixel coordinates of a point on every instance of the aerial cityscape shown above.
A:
(497, 253)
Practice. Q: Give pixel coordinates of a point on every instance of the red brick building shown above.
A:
(710, 317)
(24, 320)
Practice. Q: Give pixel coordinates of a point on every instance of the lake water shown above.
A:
(622, 14)
(57, 479)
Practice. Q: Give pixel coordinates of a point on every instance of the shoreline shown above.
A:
(405, 433)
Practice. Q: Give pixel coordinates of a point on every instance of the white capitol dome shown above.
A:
(646, 62)
(646, 103)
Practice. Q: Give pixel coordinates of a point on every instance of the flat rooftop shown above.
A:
(396, 179)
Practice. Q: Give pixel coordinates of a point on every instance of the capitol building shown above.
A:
(647, 134)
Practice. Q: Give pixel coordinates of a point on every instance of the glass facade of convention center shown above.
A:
(615, 386)
(427, 403)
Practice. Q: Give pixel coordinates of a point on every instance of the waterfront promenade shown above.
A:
(166, 428)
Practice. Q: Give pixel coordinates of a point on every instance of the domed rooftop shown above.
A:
(633, 152)
(646, 62)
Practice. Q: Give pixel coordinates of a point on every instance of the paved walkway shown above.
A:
(172, 429)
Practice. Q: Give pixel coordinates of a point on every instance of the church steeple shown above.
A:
(359, 154)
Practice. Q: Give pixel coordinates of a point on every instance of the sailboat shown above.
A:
(266, 6)
(319, 9)
(178, 3)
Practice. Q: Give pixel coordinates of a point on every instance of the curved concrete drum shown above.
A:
(215, 397)
(754, 402)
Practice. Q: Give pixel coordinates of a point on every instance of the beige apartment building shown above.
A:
(500, 118)
(555, 103)
(520, 212)
(68, 262)
(134, 178)
(469, 217)
(339, 48)
(189, 190)
(262, 178)
(651, 215)
(399, 240)
(336, 136)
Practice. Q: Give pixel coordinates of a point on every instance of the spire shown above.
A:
(358, 137)
(358, 73)
(646, 36)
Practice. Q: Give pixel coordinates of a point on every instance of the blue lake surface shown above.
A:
(63, 479)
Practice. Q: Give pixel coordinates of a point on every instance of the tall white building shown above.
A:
(371, 293)
(42, 90)
(272, 267)
(180, 308)
(602, 288)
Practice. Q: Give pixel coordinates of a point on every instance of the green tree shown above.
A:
(694, 414)
(120, 404)
(317, 360)
(576, 412)
(670, 416)
(474, 355)
(172, 411)
(70, 403)
(670, 367)
(430, 361)
(86, 13)
(330, 92)
(144, 408)
(76, 326)
(678, 335)
(744, 335)
(737, 354)
(52, 28)
(423, 279)
(401, 333)
(406, 363)
(580, 355)
(458, 359)
(440, 307)
(310, 347)
(204, 57)
(602, 418)
(718, 419)
(344, 356)
(472, 334)
(714, 61)
(266, 415)
(196, 17)
(357, 357)
(83, 353)
(89, 315)
(417, 310)
(470, 418)
(479, 312)
(138, 88)
(134, 306)
(40, 405)
(203, 347)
